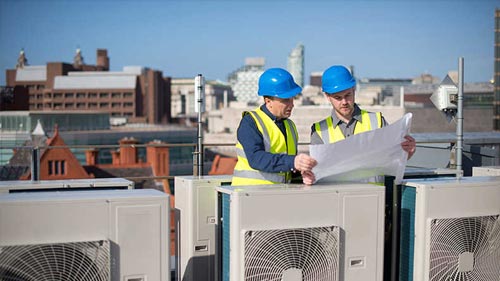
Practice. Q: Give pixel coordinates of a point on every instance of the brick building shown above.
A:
(139, 94)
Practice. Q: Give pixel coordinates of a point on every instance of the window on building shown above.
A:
(58, 95)
(92, 95)
(127, 95)
(92, 105)
(69, 105)
(80, 95)
(116, 95)
(103, 95)
(128, 104)
(80, 105)
(103, 105)
(63, 167)
(57, 105)
(57, 167)
(68, 95)
(115, 105)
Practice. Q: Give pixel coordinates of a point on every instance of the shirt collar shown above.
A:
(356, 115)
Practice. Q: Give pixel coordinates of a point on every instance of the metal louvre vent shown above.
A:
(82, 261)
(309, 254)
(465, 249)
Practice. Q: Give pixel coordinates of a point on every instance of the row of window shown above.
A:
(35, 87)
(83, 105)
(83, 95)
(57, 167)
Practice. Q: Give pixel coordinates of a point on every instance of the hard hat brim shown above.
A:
(339, 88)
(286, 95)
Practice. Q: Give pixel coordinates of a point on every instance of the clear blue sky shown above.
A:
(381, 39)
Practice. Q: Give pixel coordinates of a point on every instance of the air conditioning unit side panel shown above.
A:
(363, 223)
(139, 228)
(407, 233)
(48, 222)
(461, 200)
(286, 210)
(196, 213)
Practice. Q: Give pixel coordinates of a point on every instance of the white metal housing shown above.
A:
(357, 209)
(196, 226)
(51, 185)
(135, 222)
(486, 171)
(438, 199)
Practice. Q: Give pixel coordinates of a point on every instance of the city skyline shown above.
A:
(380, 39)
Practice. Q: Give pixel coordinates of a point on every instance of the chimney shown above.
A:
(158, 157)
(91, 156)
(115, 157)
(128, 151)
(102, 60)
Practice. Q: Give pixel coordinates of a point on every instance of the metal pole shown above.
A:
(200, 94)
(35, 164)
(460, 117)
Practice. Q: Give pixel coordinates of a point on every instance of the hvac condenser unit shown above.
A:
(85, 235)
(65, 185)
(196, 225)
(486, 171)
(298, 232)
(450, 229)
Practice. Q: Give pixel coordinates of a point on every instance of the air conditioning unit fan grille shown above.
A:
(465, 249)
(82, 261)
(292, 254)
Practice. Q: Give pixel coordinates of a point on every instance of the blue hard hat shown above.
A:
(277, 82)
(336, 79)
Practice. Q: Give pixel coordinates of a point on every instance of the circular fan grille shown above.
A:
(465, 249)
(83, 261)
(309, 254)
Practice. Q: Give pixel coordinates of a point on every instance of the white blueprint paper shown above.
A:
(363, 156)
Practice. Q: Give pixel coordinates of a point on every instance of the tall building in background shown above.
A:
(295, 64)
(137, 94)
(496, 77)
(245, 80)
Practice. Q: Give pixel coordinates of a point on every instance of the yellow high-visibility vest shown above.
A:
(274, 142)
(329, 134)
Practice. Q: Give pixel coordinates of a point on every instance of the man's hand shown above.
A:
(304, 162)
(409, 146)
(308, 177)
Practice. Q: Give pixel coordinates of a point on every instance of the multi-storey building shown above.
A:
(245, 80)
(139, 94)
(217, 95)
(295, 64)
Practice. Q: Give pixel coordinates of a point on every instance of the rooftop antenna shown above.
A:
(448, 98)
(199, 84)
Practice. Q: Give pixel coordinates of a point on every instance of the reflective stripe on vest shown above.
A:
(329, 134)
(274, 142)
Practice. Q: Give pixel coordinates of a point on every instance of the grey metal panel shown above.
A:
(95, 82)
(32, 73)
